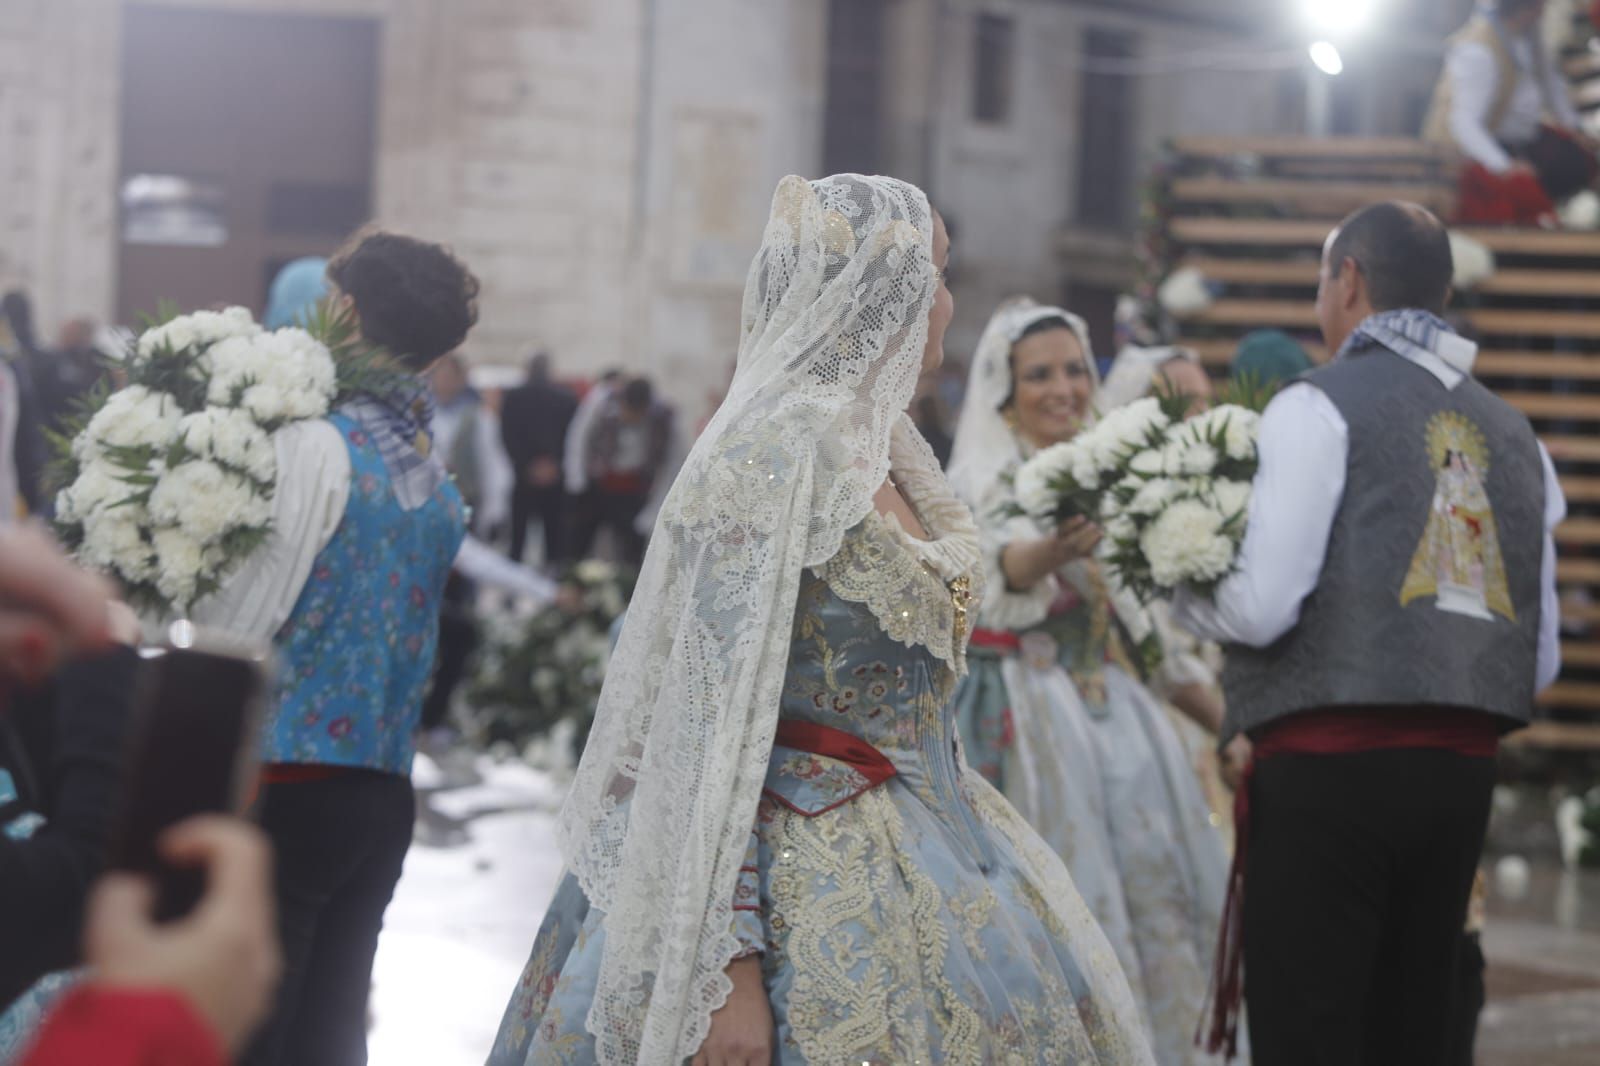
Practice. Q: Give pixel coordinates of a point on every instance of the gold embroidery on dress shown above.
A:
(1459, 561)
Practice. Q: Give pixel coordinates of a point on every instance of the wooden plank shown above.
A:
(1302, 273)
(1536, 323)
(1573, 449)
(1573, 614)
(1578, 571)
(1587, 94)
(1249, 231)
(1563, 736)
(1552, 405)
(1293, 233)
(1309, 147)
(1219, 353)
(1319, 198)
(1580, 489)
(1579, 531)
(1574, 653)
(1508, 241)
(1576, 367)
(1359, 168)
(1581, 66)
(1258, 314)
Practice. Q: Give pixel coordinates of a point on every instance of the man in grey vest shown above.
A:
(1394, 612)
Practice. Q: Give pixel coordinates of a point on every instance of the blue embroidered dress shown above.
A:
(903, 911)
(1056, 715)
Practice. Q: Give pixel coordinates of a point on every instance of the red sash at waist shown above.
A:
(1001, 640)
(836, 744)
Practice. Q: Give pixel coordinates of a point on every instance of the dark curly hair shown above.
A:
(415, 299)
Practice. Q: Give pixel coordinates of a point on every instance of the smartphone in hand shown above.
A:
(192, 750)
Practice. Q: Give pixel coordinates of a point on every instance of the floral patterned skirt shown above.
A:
(894, 933)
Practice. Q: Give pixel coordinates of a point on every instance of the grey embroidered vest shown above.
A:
(1430, 592)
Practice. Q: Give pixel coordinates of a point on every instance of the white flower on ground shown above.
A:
(205, 501)
(1186, 544)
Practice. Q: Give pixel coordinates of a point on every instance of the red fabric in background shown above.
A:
(1485, 198)
(95, 1026)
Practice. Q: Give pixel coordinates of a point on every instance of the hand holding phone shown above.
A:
(197, 706)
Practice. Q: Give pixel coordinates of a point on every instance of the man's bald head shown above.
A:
(1402, 252)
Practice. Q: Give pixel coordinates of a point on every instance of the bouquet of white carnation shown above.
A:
(168, 483)
(1171, 493)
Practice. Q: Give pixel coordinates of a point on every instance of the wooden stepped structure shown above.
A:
(1251, 215)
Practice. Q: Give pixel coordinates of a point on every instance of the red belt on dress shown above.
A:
(1001, 640)
(836, 744)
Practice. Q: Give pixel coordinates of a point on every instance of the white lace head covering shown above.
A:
(985, 445)
(659, 818)
(1134, 372)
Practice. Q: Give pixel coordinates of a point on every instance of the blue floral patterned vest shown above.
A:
(356, 653)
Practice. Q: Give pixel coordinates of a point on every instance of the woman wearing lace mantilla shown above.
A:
(1056, 711)
(776, 853)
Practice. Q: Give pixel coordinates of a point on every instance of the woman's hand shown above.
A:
(1235, 758)
(742, 1032)
(1075, 539)
(50, 609)
(1028, 562)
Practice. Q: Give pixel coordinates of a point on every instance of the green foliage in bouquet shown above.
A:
(536, 671)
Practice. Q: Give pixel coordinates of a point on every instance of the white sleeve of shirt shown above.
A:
(1555, 511)
(1304, 446)
(1473, 77)
(481, 563)
(307, 508)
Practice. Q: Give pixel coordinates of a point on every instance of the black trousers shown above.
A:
(553, 508)
(339, 847)
(1356, 885)
(458, 639)
(1564, 166)
(617, 512)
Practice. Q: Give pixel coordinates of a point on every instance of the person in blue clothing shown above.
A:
(366, 524)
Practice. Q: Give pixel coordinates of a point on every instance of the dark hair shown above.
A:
(1402, 250)
(539, 367)
(637, 394)
(415, 299)
(1033, 329)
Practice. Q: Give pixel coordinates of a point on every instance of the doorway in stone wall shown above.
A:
(247, 141)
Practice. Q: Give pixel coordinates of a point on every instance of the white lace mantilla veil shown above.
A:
(657, 824)
(985, 446)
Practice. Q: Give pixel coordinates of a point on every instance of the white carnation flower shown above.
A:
(206, 502)
(180, 562)
(1152, 496)
(1186, 544)
(1149, 462)
(132, 418)
(280, 376)
(1238, 426)
(111, 541)
(1034, 494)
(230, 436)
(1120, 530)
(1232, 497)
(96, 488)
(198, 330)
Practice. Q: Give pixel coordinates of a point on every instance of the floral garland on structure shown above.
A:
(168, 481)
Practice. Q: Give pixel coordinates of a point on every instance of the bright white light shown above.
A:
(1335, 17)
(1327, 58)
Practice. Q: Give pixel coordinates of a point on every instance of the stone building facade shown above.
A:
(605, 165)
